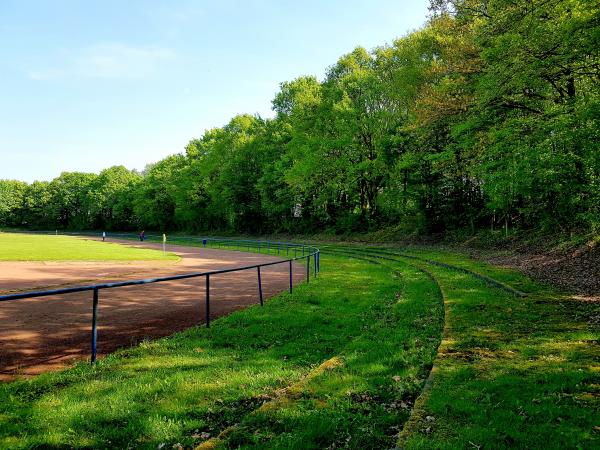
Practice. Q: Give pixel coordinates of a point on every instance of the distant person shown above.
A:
(143, 236)
(103, 236)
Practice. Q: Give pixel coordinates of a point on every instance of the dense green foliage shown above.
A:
(487, 116)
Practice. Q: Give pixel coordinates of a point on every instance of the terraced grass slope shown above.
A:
(42, 247)
(343, 362)
(513, 370)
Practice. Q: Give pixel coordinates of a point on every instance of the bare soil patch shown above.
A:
(577, 270)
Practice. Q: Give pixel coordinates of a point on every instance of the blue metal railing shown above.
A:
(308, 253)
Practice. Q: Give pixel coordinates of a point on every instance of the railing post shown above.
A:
(94, 325)
(315, 264)
(291, 282)
(260, 294)
(308, 268)
(207, 301)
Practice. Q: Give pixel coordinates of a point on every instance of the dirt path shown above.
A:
(47, 333)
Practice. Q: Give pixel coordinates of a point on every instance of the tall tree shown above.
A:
(12, 194)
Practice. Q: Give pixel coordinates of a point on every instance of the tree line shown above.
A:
(487, 116)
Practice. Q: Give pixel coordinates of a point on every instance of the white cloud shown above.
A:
(109, 60)
(179, 14)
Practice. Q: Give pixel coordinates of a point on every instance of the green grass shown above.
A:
(512, 372)
(208, 380)
(340, 364)
(30, 247)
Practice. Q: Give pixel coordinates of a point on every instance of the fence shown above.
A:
(301, 252)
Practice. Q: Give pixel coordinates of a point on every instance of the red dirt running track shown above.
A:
(42, 334)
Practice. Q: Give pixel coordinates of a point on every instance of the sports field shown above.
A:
(43, 247)
(47, 333)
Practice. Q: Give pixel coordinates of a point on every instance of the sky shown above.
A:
(88, 85)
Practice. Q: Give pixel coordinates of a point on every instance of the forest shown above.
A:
(487, 117)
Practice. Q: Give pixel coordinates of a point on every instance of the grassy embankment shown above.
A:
(42, 247)
(339, 364)
(511, 372)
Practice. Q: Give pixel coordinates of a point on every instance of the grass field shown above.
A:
(34, 247)
(341, 363)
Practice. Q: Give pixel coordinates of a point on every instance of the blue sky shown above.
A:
(88, 85)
